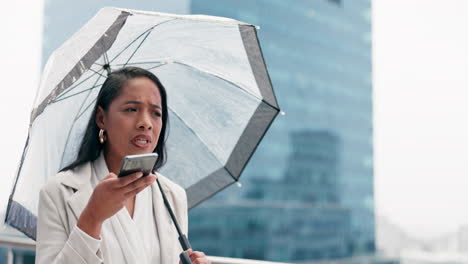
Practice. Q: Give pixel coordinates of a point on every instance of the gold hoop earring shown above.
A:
(102, 138)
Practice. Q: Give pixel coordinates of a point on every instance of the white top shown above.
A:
(137, 239)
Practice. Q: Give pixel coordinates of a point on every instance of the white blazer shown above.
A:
(65, 196)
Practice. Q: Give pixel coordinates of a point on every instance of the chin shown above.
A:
(140, 151)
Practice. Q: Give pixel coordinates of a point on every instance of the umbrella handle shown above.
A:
(184, 258)
(183, 240)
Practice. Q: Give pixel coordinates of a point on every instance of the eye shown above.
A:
(130, 109)
(156, 113)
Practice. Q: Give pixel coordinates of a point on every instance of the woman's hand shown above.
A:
(198, 257)
(109, 196)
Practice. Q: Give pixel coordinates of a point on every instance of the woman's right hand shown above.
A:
(109, 196)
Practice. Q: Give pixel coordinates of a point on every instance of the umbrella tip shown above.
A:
(239, 184)
(107, 68)
(282, 113)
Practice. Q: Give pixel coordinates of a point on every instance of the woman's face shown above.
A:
(134, 119)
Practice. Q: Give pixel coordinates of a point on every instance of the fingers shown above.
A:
(198, 257)
(126, 180)
(110, 176)
(134, 192)
(138, 185)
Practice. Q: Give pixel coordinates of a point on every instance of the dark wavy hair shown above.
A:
(90, 147)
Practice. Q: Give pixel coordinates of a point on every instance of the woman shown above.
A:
(89, 215)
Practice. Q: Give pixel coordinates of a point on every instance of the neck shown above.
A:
(113, 161)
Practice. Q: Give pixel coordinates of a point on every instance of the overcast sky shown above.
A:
(420, 94)
(20, 48)
(421, 113)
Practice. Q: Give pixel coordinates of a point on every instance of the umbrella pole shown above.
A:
(184, 258)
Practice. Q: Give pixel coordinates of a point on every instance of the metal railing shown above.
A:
(14, 242)
(223, 260)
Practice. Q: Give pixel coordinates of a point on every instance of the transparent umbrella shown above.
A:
(220, 99)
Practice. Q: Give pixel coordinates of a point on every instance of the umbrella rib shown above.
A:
(221, 78)
(139, 63)
(203, 71)
(106, 59)
(97, 73)
(74, 86)
(145, 32)
(228, 81)
(84, 111)
(80, 92)
(137, 48)
(201, 140)
(76, 118)
(157, 66)
(133, 41)
(61, 96)
(100, 65)
(78, 115)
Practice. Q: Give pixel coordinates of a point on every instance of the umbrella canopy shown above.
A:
(220, 99)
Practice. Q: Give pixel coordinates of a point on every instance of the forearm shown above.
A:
(89, 224)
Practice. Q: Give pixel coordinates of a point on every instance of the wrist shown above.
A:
(90, 224)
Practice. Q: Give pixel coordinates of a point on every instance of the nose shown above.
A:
(144, 121)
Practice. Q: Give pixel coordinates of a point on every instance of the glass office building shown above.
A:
(308, 191)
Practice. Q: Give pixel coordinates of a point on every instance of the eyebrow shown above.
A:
(138, 102)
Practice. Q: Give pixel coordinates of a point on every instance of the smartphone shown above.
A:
(134, 163)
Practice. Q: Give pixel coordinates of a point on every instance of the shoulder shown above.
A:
(66, 180)
(53, 197)
(170, 185)
(174, 193)
(55, 183)
(177, 198)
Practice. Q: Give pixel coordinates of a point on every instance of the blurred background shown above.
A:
(369, 163)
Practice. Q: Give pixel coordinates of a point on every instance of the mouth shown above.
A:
(141, 141)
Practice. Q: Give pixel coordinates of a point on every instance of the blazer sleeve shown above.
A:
(54, 244)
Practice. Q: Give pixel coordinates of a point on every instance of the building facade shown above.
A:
(316, 157)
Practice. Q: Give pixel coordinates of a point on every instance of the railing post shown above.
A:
(19, 258)
(9, 255)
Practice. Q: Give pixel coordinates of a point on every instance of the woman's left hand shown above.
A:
(198, 257)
